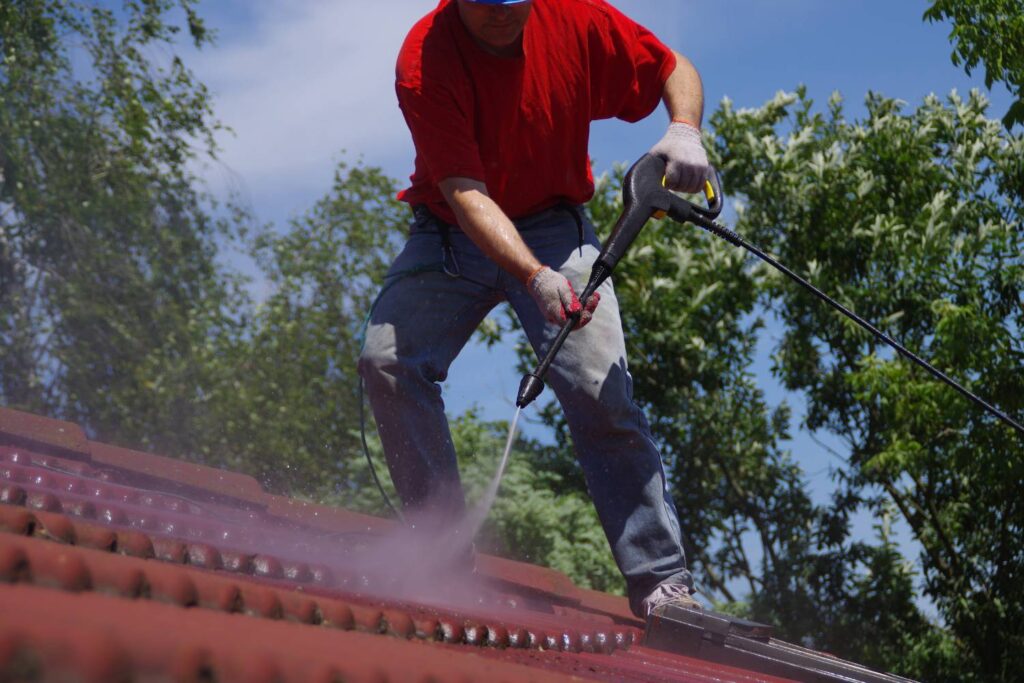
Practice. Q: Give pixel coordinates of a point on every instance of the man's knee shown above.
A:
(379, 366)
(382, 367)
(373, 359)
(602, 401)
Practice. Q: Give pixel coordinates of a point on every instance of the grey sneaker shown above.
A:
(675, 594)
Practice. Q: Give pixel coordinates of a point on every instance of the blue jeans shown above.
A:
(421, 322)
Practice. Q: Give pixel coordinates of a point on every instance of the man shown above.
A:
(499, 96)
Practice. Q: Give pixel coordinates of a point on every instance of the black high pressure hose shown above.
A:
(731, 237)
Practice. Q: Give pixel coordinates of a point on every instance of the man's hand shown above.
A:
(686, 162)
(557, 299)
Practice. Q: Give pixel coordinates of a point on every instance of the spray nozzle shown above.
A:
(529, 389)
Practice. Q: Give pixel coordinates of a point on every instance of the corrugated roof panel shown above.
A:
(99, 638)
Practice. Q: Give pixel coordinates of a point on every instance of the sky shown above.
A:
(305, 84)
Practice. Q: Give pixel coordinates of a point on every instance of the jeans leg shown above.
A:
(419, 324)
(620, 461)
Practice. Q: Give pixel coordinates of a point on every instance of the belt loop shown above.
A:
(575, 211)
(447, 250)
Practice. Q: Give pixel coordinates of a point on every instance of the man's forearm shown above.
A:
(684, 93)
(488, 226)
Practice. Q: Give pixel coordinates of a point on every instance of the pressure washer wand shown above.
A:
(643, 197)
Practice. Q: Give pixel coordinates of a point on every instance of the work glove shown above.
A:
(686, 162)
(557, 299)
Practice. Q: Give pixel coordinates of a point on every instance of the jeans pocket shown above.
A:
(422, 250)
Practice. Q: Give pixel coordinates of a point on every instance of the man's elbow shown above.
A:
(463, 194)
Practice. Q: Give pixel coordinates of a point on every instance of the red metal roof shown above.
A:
(121, 565)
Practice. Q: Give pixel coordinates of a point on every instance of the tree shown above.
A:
(108, 279)
(914, 221)
(991, 33)
(286, 407)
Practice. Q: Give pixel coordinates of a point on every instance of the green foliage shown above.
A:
(990, 33)
(108, 281)
(286, 410)
(691, 308)
(912, 220)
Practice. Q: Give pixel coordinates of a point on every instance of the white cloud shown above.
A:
(302, 82)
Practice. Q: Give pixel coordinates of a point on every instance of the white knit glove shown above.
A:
(686, 162)
(557, 299)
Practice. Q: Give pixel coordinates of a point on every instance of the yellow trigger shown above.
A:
(709, 191)
(659, 214)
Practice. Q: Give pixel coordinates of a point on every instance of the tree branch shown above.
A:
(716, 581)
(933, 514)
(741, 556)
(901, 503)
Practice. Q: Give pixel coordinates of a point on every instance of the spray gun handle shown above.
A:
(644, 196)
(683, 210)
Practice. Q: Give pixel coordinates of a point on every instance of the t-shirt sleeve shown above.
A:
(628, 66)
(442, 129)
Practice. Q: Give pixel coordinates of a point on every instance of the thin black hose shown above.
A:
(731, 237)
(369, 460)
(394, 279)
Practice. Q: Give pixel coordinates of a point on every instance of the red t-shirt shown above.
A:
(521, 125)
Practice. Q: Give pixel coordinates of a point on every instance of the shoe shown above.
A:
(669, 594)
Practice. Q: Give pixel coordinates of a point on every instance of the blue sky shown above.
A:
(307, 83)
